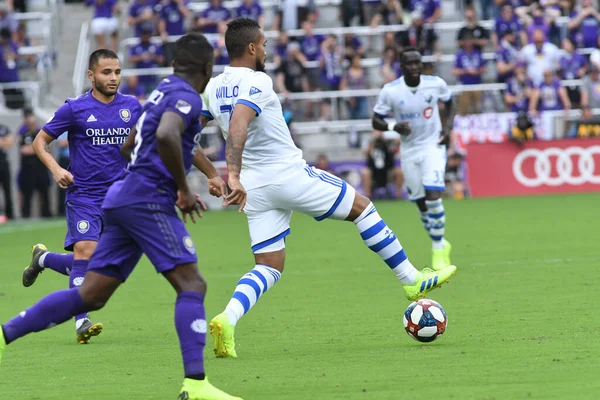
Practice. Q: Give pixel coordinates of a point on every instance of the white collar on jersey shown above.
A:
(230, 68)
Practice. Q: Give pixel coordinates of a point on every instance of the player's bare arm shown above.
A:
(236, 140)
(216, 186)
(40, 145)
(447, 116)
(379, 124)
(128, 146)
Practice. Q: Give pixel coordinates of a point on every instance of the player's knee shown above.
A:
(93, 299)
(433, 195)
(273, 259)
(360, 204)
(187, 278)
(83, 250)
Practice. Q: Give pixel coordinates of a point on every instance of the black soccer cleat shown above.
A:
(32, 271)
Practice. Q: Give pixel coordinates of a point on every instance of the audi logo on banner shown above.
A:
(563, 161)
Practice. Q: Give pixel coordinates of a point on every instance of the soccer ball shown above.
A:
(425, 320)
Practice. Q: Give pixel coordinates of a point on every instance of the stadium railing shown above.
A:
(80, 69)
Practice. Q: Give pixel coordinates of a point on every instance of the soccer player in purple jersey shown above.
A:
(98, 123)
(140, 217)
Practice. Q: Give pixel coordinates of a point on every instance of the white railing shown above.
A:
(265, 4)
(83, 48)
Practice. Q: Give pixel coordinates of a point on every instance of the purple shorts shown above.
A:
(144, 228)
(84, 222)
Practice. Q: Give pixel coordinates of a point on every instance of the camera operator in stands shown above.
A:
(380, 168)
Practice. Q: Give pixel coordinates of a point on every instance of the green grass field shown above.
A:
(522, 313)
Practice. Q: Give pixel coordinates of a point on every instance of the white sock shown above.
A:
(437, 222)
(80, 322)
(41, 260)
(380, 239)
(249, 289)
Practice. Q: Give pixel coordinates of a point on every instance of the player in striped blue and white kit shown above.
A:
(412, 101)
(269, 180)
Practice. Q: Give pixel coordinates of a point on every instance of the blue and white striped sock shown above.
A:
(437, 222)
(249, 289)
(380, 239)
(425, 220)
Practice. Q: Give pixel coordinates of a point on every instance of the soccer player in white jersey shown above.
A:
(269, 180)
(412, 101)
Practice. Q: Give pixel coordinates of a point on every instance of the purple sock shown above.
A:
(190, 322)
(76, 279)
(60, 263)
(52, 310)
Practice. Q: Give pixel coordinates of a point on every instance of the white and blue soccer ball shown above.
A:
(425, 320)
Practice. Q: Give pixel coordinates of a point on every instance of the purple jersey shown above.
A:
(173, 18)
(252, 12)
(96, 132)
(216, 14)
(502, 26)
(516, 88)
(147, 178)
(586, 35)
(549, 98)
(466, 60)
(427, 7)
(8, 68)
(311, 47)
(138, 8)
(146, 50)
(102, 8)
(571, 63)
(507, 56)
(280, 50)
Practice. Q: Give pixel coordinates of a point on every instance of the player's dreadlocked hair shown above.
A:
(240, 33)
(407, 50)
(193, 53)
(98, 54)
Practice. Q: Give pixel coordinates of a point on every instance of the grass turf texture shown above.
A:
(522, 316)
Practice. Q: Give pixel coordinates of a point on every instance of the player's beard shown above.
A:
(260, 65)
(105, 90)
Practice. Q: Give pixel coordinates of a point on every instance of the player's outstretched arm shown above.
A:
(379, 124)
(447, 117)
(40, 145)
(168, 143)
(216, 186)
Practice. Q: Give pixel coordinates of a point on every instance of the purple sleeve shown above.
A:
(436, 4)
(133, 10)
(187, 105)
(204, 14)
(228, 15)
(60, 122)
(132, 50)
(159, 50)
(259, 8)
(89, 2)
(481, 60)
(458, 61)
(22, 130)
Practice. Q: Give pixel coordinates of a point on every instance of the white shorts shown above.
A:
(104, 26)
(309, 191)
(425, 171)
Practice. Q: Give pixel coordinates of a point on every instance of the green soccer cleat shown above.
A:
(2, 344)
(427, 280)
(222, 332)
(87, 330)
(440, 259)
(33, 270)
(202, 390)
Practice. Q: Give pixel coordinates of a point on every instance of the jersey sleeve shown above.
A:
(445, 93)
(60, 121)
(205, 105)
(185, 104)
(258, 94)
(384, 103)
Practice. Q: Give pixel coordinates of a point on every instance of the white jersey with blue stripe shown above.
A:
(419, 107)
(270, 153)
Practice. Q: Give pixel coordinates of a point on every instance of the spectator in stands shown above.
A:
(390, 69)
(518, 90)
(572, 65)
(430, 9)
(540, 56)
(417, 35)
(455, 176)
(584, 26)
(280, 48)
(221, 54)
(6, 142)
(535, 17)
(356, 78)
(22, 40)
(489, 10)
(389, 13)
(132, 87)
(251, 9)
(522, 130)
(290, 14)
(590, 92)
(549, 95)
(143, 16)
(104, 22)
(351, 9)
(146, 55)
(469, 67)
(33, 176)
(506, 57)
(380, 169)
(391, 41)
(311, 43)
(595, 55)
(352, 46)
(323, 163)
(172, 23)
(210, 19)
(8, 57)
(64, 160)
(331, 65)
(479, 33)
(7, 18)
(508, 20)
(291, 74)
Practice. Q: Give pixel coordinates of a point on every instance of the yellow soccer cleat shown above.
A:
(2, 344)
(87, 330)
(427, 280)
(222, 331)
(202, 390)
(440, 259)
(32, 271)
